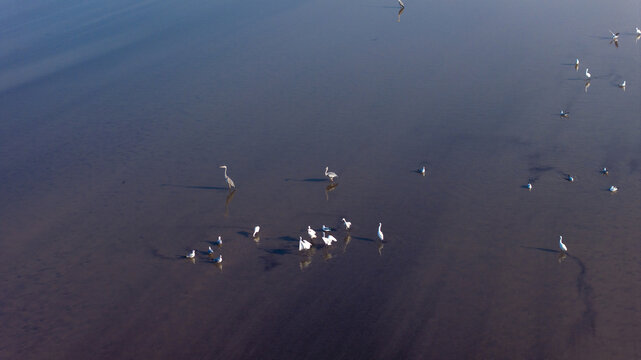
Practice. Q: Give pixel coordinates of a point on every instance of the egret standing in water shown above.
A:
(422, 171)
(348, 224)
(587, 74)
(576, 65)
(622, 85)
(330, 174)
(303, 244)
(256, 230)
(191, 255)
(615, 36)
(328, 240)
(230, 182)
(218, 260)
(562, 245)
(311, 232)
(638, 31)
(380, 233)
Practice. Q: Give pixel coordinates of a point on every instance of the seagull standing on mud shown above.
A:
(622, 85)
(219, 242)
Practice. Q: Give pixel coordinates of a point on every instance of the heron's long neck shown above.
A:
(225, 172)
(379, 227)
(326, 171)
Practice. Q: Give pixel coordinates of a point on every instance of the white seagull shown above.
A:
(348, 224)
(564, 114)
(330, 174)
(311, 232)
(615, 36)
(422, 171)
(587, 73)
(380, 233)
(562, 245)
(328, 240)
(604, 171)
(400, 3)
(576, 63)
(622, 85)
(191, 255)
(210, 251)
(303, 244)
(218, 242)
(613, 188)
(570, 178)
(638, 31)
(256, 230)
(218, 260)
(529, 186)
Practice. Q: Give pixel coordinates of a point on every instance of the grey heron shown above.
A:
(230, 182)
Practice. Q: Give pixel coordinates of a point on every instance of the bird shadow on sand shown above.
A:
(287, 238)
(279, 251)
(363, 238)
(156, 253)
(540, 249)
(308, 180)
(195, 187)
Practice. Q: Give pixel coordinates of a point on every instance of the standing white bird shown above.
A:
(613, 188)
(587, 74)
(562, 245)
(328, 240)
(570, 178)
(303, 244)
(400, 3)
(604, 171)
(622, 85)
(311, 232)
(348, 224)
(330, 174)
(638, 31)
(218, 260)
(615, 36)
(380, 233)
(230, 182)
(210, 251)
(529, 186)
(564, 114)
(422, 171)
(576, 63)
(219, 242)
(256, 230)
(191, 255)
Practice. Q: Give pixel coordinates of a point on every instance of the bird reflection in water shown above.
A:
(400, 11)
(562, 256)
(346, 241)
(228, 200)
(587, 85)
(380, 245)
(326, 254)
(329, 188)
(637, 38)
(615, 42)
(305, 262)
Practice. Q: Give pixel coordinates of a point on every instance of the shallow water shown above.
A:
(115, 118)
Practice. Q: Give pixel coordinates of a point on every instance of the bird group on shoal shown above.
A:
(588, 76)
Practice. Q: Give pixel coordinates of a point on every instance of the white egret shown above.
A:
(587, 74)
(562, 245)
(380, 233)
(328, 239)
(303, 244)
(348, 224)
(622, 85)
(564, 114)
(219, 242)
(218, 260)
(330, 174)
(191, 255)
(256, 230)
(613, 188)
(311, 232)
(326, 228)
(210, 251)
(230, 182)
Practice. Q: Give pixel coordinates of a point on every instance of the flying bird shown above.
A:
(562, 245)
(303, 244)
(230, 182)
(330, 174)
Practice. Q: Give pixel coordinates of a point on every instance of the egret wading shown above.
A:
(230, 182)
(380, 233)
(303, 244)
(256, 230)
(311, 232)
(330, 174)
(562, 245)
(587, 74)
(328, 239)
(348, 224)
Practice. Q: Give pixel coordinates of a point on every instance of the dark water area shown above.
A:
(115, 117)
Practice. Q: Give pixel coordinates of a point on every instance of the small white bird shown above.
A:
(326, 228)
(303, 244)
(219, 242)
(348, 224)
(576, 63)
(604, 171)
(330, 174)
(422, 171)
(562, 245)
(400, 3)
(564, 114)
(256, 230)
(529, 186)
(638, 31)
(622, 85)
(380, 233)
(311, 232)
(587, 74)
(218, 260)
(191, 255)
(570, 178)
(613, 188)
(328, 240)
(615, 36)
(210, 251)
